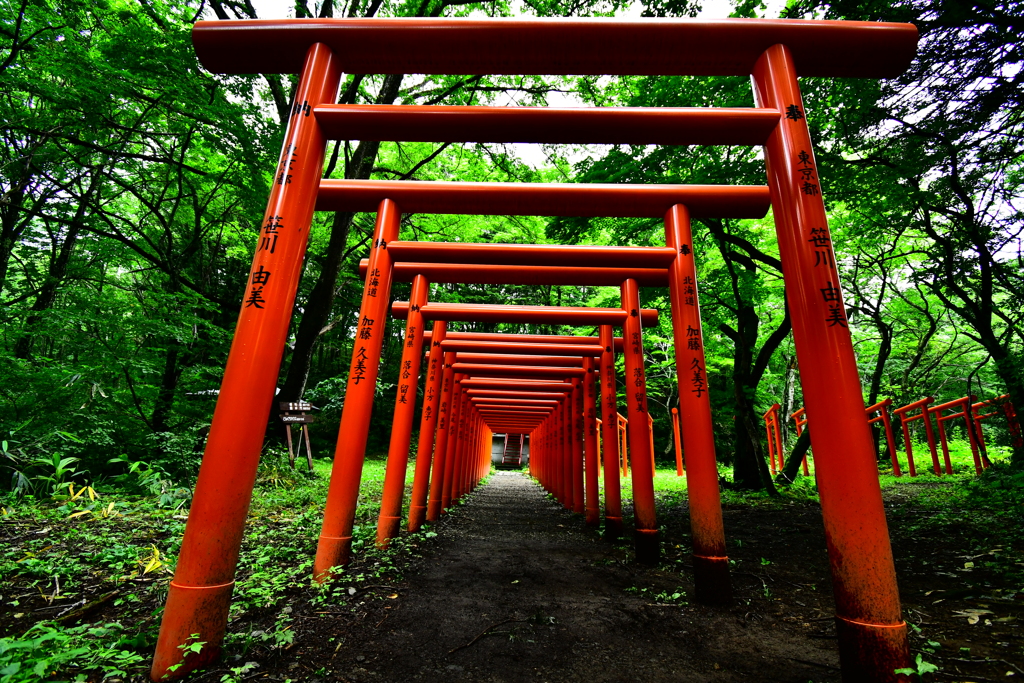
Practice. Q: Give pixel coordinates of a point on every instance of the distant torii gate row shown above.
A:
(872, 634)
(519, 362)
(709, 556)
(441, 399)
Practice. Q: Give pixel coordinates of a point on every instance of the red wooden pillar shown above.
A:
(576, 410)
(546, 472)
(428, 422)
(553, 465)
(468, 448)
(444, 413)
(477, 472)
(610, 436)
(566, 461)
(537, 440)
(451, 451)
(710, 562)
(461, 487)
(882, 408)
(591, 456)
(644, 514)
(678, 443)
(200, 593)
(335, 545)
(483, 464)
(405, 407)
(457, 441)
(771, 427)
(871, 630)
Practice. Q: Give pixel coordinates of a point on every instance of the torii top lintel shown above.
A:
(544, 199)
(585, 46)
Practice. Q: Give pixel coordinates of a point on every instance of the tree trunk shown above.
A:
(1008, 367)
(12, 224)
(875, 386)
(788, 400)
(792, 469)
(165, 395)
(750, 469)
(317, 311)
(55, 278)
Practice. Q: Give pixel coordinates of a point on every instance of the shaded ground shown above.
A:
(516, 589)
(511, 587)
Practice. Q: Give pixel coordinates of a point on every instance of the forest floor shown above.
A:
(516, 588)
(512, 587)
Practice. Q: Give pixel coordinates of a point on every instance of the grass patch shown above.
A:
(68, 567)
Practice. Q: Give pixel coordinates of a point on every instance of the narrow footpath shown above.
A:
(515, 588)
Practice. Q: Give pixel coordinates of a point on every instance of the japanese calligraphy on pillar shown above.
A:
(609, 379)
(687, 327)
(373, 282)
(260, 278)
(818, 236)
(366, 328)
(270, 233)
(692, 338)
(689, 291)
(359, 368)
(698, 378)
(287, 166)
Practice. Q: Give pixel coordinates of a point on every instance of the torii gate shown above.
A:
(871, 631)
(712, 582)
(561, 315)
(536, 388)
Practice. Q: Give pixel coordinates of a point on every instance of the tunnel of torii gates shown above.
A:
(872, 635)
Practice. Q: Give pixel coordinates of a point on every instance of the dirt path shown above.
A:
(517, 589)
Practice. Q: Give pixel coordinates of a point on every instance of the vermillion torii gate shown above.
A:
(475, 262)
(872, 634)
(481, 341)
(432, 404)
(584, 498)
(558, 315)
(502, 198)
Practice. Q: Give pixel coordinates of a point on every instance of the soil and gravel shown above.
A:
(516, 588)
(509, 586)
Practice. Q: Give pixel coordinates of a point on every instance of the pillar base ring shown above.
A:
(712, 585)
(191, 610)
(872, 652)
(331, 551)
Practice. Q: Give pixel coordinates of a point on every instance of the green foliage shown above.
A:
(48, 649)
(920, 668)
(125, 559)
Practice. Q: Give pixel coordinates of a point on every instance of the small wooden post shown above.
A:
(295, 414)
